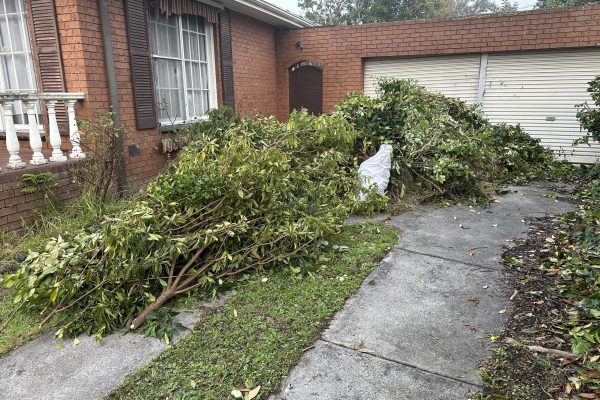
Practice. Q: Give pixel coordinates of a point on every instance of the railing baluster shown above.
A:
(35, 140)
(76, 151)
(12, 141)
(55, 142)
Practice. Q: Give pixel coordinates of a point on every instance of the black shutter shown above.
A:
(226, 59)
(141, 68)
(47, 50)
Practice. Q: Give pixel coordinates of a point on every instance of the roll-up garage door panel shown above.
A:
(533, 88)
(455, 76)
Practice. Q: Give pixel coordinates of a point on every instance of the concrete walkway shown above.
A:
(84, 371)
(422, 321)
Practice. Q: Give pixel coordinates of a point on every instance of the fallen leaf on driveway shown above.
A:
(472, 299)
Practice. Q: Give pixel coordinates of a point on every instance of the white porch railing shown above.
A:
(30, 100)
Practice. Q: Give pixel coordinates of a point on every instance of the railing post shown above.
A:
(55, 142)
(12, 141)
(76, 151)
(35, 140)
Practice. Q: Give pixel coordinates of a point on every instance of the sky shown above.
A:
(292, 5)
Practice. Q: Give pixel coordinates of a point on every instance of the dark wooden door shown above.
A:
(306, 88)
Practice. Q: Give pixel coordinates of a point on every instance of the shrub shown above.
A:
(589, 117)
(441, 144)
(103, 142)
(257, 194)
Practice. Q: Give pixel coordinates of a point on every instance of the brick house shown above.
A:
(159, 63)
(155, 62)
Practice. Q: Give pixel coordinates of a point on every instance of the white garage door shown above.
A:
(538, 90)
(456, 76)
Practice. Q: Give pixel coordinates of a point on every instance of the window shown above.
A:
(16, 64)
(183, 67)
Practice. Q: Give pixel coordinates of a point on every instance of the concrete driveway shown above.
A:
(421, 322)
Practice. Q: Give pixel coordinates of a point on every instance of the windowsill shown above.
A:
(168, 127)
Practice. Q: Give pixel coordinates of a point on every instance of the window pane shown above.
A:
(199, 108)
(153, 36)
(205, 102)
(15, 32)
(191, 103)
(8, 72)
(176, 104)
(186, 45)
(204, 76)
(202, 48)
(22, 73)
(174, 41)
(11, 6)
(163, 40)
(193, 46)
(4, 37)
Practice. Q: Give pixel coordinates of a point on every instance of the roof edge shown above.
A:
(286, 18)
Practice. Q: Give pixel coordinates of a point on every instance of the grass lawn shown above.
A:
(263, 329)
(23, 327)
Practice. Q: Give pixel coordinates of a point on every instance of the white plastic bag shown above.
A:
(376, 170)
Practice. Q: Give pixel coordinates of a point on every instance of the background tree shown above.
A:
(563, 3)
(460, 8)
(326, 12)
(336, 12)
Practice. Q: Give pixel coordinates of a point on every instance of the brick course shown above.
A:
(341, 50)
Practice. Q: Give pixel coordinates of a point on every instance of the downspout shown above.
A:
(113, 95)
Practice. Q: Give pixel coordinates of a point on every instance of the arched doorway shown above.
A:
(306, 87)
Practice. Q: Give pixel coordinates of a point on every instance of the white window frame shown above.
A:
(210, 62)
(24, 34)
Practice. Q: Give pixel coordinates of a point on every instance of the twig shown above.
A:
(545, 350)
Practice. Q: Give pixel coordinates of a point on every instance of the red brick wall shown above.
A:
(15, 206)
(253, 48)
(342, 49)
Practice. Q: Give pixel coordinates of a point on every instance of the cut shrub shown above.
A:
(255, 194)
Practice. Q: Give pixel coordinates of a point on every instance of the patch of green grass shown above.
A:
(22, 328)
(263, 329)
(53, 220)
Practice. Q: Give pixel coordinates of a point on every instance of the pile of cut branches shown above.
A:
(442, 145)
(242, 196)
